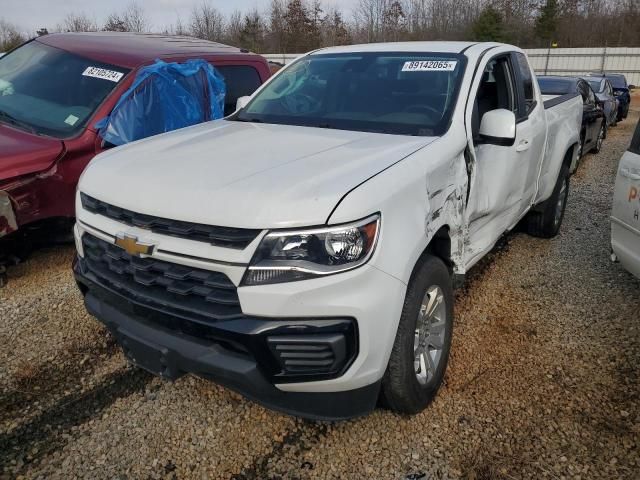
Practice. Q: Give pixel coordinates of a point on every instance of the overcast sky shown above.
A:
(30, 15)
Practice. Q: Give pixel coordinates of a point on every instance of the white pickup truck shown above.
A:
(304, 250)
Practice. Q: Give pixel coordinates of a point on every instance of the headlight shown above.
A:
(285, 256)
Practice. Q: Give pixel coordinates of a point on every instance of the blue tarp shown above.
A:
(164, 97)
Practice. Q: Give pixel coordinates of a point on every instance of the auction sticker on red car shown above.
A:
(103, 73)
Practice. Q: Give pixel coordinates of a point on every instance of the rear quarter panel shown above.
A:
(564, 122)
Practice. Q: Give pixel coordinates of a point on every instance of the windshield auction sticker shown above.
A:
(103, 73)
(430, 66)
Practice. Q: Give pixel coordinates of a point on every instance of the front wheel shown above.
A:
(546, 220)
(421, 348)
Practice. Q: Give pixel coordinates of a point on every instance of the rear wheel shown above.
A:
(601, 135)
(545, 222)
(421, 349)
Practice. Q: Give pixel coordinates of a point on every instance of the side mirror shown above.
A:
(498, 127)
(632, 87)
(242, 102)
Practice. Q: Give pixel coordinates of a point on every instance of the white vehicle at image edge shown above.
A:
(625, 218)
(303, 251)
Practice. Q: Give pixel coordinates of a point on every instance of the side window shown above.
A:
(241, 80)
(635, 141)
(527, 83)
(496, 90)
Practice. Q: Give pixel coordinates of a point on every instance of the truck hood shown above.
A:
(22, 153)
(247, 175)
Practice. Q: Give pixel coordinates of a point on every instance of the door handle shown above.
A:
(625, 172)
(523, 146)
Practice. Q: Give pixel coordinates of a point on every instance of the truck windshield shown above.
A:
(50, 91)
(397, 93)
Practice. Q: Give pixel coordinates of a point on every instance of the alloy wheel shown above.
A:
(429, 335)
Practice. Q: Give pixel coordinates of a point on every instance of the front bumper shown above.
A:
(240, 353)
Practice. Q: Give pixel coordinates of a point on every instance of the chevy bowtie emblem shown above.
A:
(132, 246)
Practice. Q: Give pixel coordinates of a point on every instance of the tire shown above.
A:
(602, 134)
(545, 222)
(408, 386)
(581, 151)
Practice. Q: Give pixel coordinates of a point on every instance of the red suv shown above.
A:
(55, 88)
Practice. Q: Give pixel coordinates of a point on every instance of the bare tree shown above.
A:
(78, 22)
(177, 28)
(277, 26)
(10, 36)
(394, 22)
(135, 18)
(114, 23)
(132, 19)
(253, 31)
(334, 29)
(368, 19)
(234, 28)
(301, 25)
(207, 22)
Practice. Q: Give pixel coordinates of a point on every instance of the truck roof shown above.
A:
(445, 47)
(133, 49)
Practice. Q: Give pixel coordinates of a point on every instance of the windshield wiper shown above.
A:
(14, 121)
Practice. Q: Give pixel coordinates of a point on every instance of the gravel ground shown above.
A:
(543, 380)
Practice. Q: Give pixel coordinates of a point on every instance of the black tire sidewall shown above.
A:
(563, 177)
(414, 397)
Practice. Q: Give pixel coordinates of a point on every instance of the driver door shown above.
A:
(499, 174)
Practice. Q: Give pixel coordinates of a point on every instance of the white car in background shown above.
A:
(625, 218)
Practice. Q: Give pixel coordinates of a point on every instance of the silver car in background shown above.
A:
(606, 99)
(625, 217)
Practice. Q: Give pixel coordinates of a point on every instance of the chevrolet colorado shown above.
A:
(303, 251)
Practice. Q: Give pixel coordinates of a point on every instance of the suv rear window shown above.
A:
(241, 80)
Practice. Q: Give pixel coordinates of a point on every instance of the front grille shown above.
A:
(227, 237)
(176, 289)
